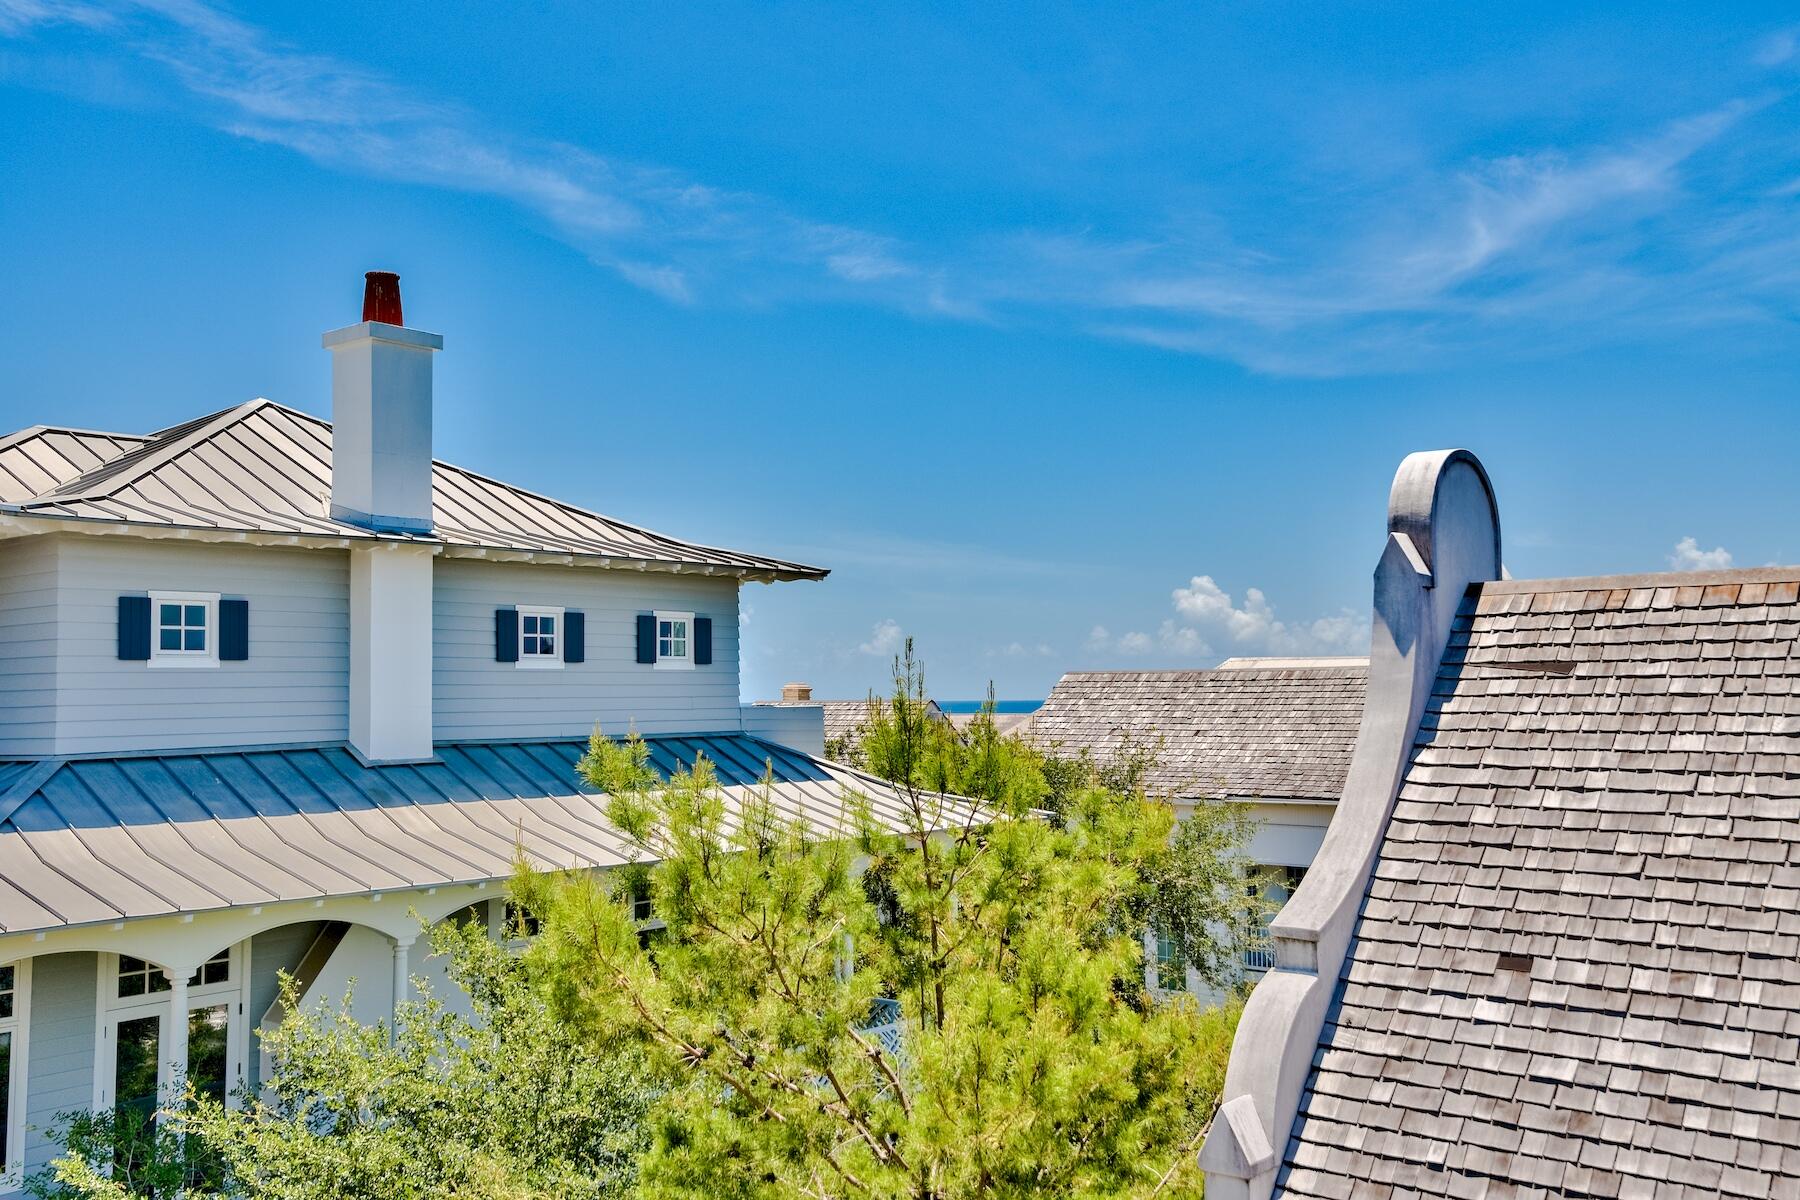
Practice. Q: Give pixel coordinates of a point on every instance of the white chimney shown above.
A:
(381, 480)
(381, 415)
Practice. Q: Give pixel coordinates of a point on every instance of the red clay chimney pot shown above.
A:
(381, 298)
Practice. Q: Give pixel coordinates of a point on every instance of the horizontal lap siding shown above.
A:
(60, 1070)
(476, 697)
(27, 646)
(293, 688)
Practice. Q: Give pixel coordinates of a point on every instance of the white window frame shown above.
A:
(542, 662)
(113, 1008)
(684, 662)
(208, 657)
(12, 1171)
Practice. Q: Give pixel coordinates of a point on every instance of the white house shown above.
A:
(1274, 734)
(274, 684)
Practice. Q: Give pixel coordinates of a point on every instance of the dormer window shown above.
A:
(540, 637)
(675, 639)
(184, 629)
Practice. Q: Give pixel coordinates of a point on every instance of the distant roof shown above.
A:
(103, 839)
(1006, 724)
(264, 468)
(1577, 969)
(1246, 731)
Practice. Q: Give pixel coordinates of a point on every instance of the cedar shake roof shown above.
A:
(264, 468)
(1244, 731)
(1577, 971)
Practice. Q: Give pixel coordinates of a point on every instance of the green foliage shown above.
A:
(507, 1105)
(1031, 1062)
(122, 1153)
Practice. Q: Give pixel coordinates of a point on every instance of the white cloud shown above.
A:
(1134, 643)
(1688, 556)
(1253, 625)
(884, 640)
(1098, 638)
(1777, 48)
(1510, 254)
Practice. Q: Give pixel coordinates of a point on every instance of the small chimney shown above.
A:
(381, 298)
(381, 415)
(796, 693)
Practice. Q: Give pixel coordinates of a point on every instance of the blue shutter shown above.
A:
(703, 641)
(134, 628)
(506, 635)
(574, 637)
(646, 637)
(234, 630)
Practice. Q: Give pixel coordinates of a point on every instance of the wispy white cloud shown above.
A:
(1504, 255)
(1688, 556)
(1021, 650)
(1206, 617)
(884, 640)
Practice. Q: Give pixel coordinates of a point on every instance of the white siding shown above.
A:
(294, 688)
(476, 697)
(799, 726)
(60, 1075)
(27, 646)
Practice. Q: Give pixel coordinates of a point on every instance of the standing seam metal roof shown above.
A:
(104, 839)
(264, 468)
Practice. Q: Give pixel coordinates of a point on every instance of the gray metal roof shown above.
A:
(264, 468)
(1577, 971)
(105, 839)
(1281, 732)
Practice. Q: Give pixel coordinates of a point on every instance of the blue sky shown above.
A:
(1068, 336)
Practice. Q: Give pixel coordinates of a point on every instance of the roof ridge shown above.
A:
(668, 539)
(157, 449)
(1651, 579)
(19, 435)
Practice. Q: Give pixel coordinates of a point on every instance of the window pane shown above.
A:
(135, 1064)
(206, 1050)
(679, 628)
(196, 615)
(170, 639)
(169, 614)
(547, 646)
(194, 639)
(530, 624)
(546, 624)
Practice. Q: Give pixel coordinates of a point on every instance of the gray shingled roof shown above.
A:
(264, 468)
(1275, 732)
(1577, 971)
(104, 839)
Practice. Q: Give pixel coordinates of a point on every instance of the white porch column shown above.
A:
(402, 976)
(178, 1029)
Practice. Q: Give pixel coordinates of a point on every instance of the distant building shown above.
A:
(1551, 944)
(845, 721)
(1273, 733)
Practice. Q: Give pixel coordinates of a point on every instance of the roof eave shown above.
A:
(19, 520)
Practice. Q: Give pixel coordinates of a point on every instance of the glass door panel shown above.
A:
(5, 1099)
(209, 1056)
(136, 1064)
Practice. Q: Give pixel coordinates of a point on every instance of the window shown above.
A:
(1267, 889)
(14, 1000)
(139, 978)
(540, 637)
(183, 629)
(131, 1071)
(674, 639)
(1171, 967)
